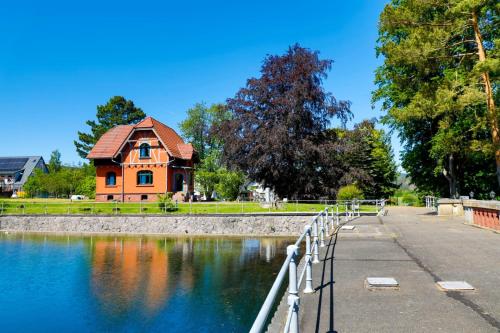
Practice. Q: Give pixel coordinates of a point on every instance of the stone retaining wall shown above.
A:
(261, 225)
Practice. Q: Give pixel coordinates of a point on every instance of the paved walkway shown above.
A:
(418, 249)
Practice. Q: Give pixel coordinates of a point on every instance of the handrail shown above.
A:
(314, 234)
(260, 321)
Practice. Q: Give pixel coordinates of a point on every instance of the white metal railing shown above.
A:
(430, 202)
(325, 223)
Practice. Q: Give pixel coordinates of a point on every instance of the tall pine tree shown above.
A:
(117, 111)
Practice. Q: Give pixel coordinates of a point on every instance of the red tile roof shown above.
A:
(109, 144)
(111, 141)
(186, 150)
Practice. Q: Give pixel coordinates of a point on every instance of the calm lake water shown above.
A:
(129, 284)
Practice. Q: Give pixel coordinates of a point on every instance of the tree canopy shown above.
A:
(197, 127)
(200, 128)
(276, 131)
(367, 159)
(55, 163)
(62, 182)
(117, 111)
(435, 85)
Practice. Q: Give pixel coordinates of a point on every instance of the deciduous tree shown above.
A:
(197, 127)
(276, 131)
(55, 162)
(440, 59)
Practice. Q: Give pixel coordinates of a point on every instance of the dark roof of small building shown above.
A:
(24, 164)
(12, 164)
(108, 146)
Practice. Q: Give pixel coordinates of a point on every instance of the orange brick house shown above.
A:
(138, 162)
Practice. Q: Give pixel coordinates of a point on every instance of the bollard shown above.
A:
(293, 298)
(308, 288)
(315, 242)
(322, 230)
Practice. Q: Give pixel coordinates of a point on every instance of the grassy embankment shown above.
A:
(64, 206)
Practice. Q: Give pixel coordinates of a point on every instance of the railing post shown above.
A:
(322, 230)
(337, 215)
(329, 222)
(315, 242)
(293, 298)
(332, 226)
(308, 288)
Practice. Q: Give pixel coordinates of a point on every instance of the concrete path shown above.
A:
(417, 249)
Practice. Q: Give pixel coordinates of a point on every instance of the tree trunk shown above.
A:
(490, 101)
(451, 176)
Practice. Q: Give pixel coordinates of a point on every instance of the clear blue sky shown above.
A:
(59, 59)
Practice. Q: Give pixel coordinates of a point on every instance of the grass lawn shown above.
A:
(65, 206)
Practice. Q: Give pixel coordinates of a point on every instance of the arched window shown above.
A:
(144, 178)
(111, 178)
(144, 149)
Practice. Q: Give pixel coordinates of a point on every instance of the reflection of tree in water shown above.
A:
(230, 279)
(223, 277)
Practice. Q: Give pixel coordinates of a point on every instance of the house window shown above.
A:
(144, 197)
(178, 182)
(144, 150)
(144, 178)
(110, 197)
(111, 179)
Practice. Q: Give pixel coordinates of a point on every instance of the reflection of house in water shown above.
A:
(125, 273)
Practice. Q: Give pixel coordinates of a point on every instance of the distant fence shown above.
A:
(431, 202)
(53, 207)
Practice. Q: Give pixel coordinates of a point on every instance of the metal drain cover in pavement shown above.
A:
(347, 227)
(454, 285)
(381, 282)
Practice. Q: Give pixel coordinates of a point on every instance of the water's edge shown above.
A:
(242, 225)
